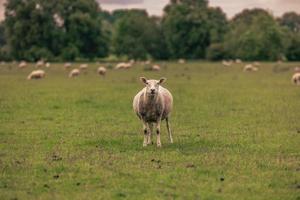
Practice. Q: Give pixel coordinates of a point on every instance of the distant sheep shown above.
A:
(297, 69)
(123, 65)
(181, 61)
(296, 78)
(250, 68)
(22, 64)
(238, 61)
(152, 105)
(256, 63)
(74, 73)
(47, 65)
(40, 63)
(101, 71)
(155, 68)
(226, 63)
(36, 74)
(83, 66)
(67, 65)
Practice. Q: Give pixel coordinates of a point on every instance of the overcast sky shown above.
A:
(231, 7)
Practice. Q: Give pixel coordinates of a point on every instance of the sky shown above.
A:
(230, 7)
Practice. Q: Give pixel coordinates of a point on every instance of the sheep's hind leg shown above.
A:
(169, 130)
(150, 133)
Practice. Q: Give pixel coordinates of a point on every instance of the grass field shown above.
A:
(236, 135)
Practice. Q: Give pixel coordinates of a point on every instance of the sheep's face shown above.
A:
(152, 86)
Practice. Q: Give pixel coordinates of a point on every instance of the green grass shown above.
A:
(236, 135)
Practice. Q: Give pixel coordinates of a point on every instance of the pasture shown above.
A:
(236, 134)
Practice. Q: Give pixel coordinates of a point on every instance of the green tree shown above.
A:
(255, 35)
(191, 26)
(136, 35)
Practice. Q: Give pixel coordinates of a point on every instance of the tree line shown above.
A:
(61, 30)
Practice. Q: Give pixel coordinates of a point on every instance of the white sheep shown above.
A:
(101, 71)
(226, 63)
(256, 63)
(296, 78)
(40, 63)
(297, 69)
(155, 68)
(238, 61)
(250, 68)
(181, 61)
(152, 105)
(74, 73)
(22, 64)
(47, 64)
(36, 74)
(83, 66)
(67, 65)
(123, 65)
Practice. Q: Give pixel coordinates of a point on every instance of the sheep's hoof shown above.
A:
(158, 144)
(144, 144)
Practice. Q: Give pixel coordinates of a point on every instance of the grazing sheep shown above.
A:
(123, 65)
(155, 68)
(67, 65)
(152, 105)
(101, 71)
(296, 78)
(83, 66)
(40, 63)
(36, 74)
(148, 62)
(226, 63)
(238, 61)
(74, 73)
(181, 61)
(47, 64)
(250, 68)
(297, 69)
(22, 64)
(256, 63)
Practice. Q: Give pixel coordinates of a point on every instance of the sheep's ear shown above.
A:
(161, 80)
(143, 79)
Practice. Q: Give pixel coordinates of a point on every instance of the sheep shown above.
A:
(297, 69)
(36, 74)
(238, 61)
(83, 66)
(296, 78)
(250, 68)
(101, 71)
(47, 64)
(155, 68)
(226, 63)
(39, 63)
(256, 63)
(181, 61)
(74, 73)
(22, 64)
(67, 65)
(123, 65)
(152, 105)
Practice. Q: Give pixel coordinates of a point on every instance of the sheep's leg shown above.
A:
(150, 133)
(169, 130)
(145, 129)
(158, 143)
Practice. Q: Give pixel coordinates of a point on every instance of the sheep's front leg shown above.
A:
(158, 142)
(150, 133)
(145, 129)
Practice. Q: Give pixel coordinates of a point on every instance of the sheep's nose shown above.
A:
(152, 90)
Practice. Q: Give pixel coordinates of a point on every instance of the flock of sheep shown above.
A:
(39, 73)
(254, 67)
